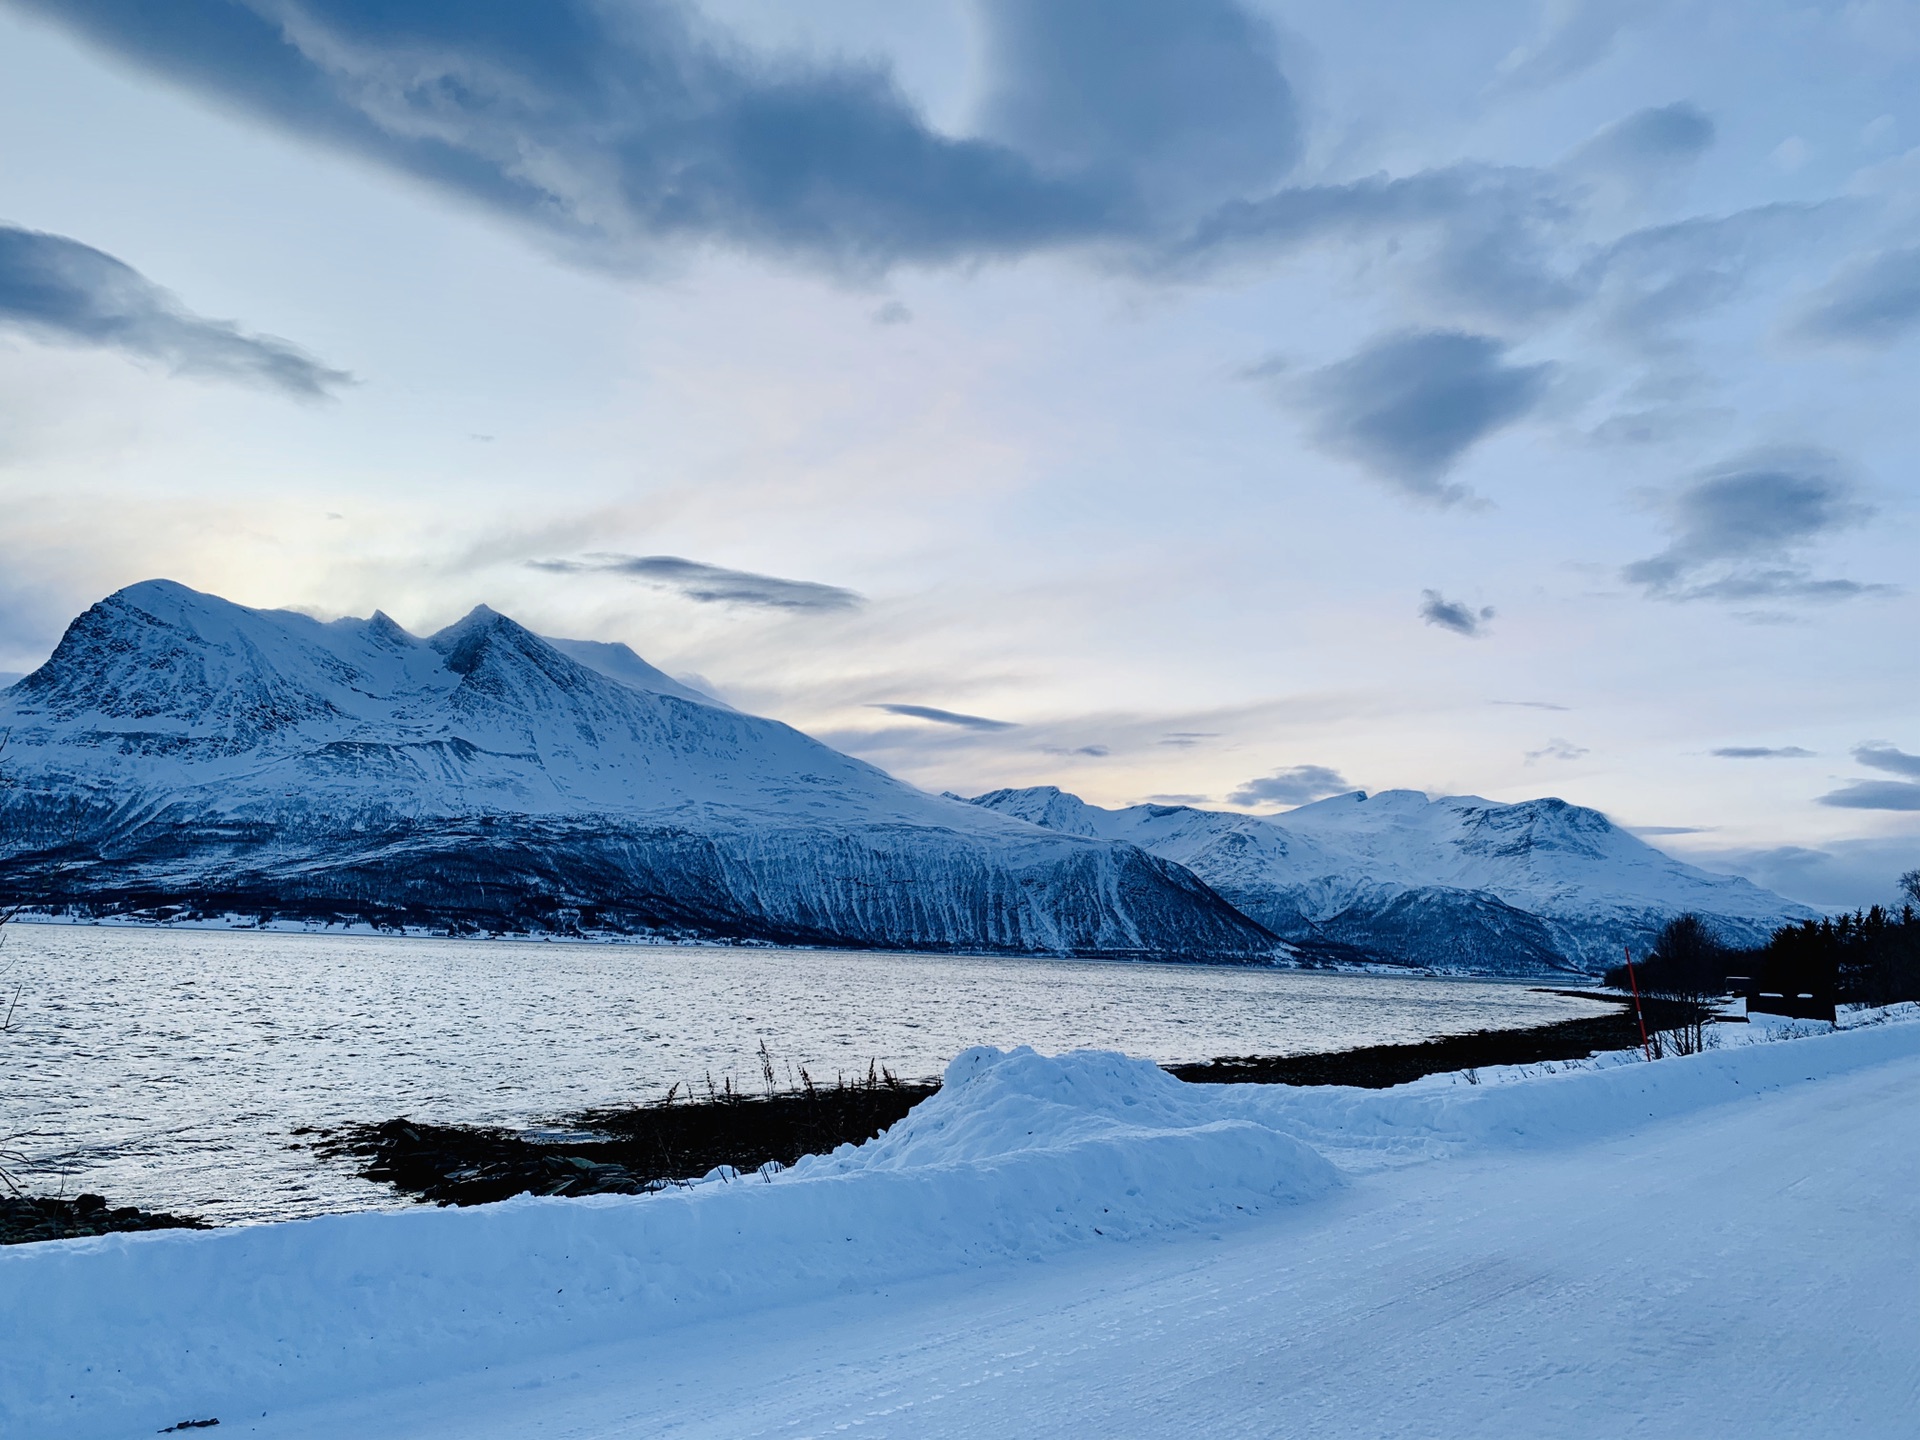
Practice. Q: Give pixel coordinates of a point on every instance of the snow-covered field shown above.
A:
(1725, 1244)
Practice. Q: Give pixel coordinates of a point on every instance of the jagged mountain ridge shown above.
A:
(1456, 883)
(178, 750)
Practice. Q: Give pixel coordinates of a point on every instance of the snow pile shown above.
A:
(1019, 1156)
(1440, 1115)
(1087, 1141)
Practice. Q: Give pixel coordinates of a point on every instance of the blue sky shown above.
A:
(1229, 401)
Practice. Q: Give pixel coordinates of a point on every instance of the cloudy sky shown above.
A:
(1228, 400)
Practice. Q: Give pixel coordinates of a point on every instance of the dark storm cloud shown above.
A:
(616, 127)
(1411, 404)
(1874, 301)
(1761, 752)
(1436, 609)
(1182, 101)
(711, 584)
(1739, 529)
(951, 717)
(620, 128)
(57, 289)
(1296, 786)
(1886, 757)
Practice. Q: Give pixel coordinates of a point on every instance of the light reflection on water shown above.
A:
(168, 1068)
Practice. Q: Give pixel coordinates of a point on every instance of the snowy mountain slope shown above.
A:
(1456, 882)
(181, 751)
(618, 662)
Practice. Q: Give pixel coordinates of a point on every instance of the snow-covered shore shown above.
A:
(1027, 1177)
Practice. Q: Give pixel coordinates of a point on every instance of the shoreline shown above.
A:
(640, 1149)
(1377, 1067)
(237, 924)
(645, 1148)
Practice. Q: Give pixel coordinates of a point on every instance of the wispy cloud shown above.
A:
(1530, 704)
(1409, 405)
(1298, 785)
(1557, 749)
(1739, 530)
(1875, 795)
(1574, 36)
(948, 717)
(58, 289)
(1761, 752)
(1453, 615)
(1880, 794)
(711, 584)
(1647, 142)
(1881, 756)
(1842, 873)
(1187, 739)
(1873, 302)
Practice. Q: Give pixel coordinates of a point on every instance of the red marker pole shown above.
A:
(1645, 1044)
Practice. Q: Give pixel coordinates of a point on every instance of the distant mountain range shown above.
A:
(180, 755)
(1457, 883)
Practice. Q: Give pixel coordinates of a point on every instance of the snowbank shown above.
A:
(1018, 1156)
(1535, 1106)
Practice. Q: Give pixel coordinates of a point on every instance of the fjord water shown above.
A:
(171, 1068)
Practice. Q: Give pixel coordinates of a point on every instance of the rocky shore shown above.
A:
(25, 1218)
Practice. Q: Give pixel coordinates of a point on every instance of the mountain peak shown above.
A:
(465, 642)
(485, 777)
(1381, 874)
(384, 629)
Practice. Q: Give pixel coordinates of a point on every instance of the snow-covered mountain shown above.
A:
(179, 752)
(1456, 883)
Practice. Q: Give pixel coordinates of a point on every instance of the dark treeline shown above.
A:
(1871, 957)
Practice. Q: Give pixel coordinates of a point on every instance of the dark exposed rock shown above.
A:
(628, 1150)
(1376, 1067)
(25, 1218)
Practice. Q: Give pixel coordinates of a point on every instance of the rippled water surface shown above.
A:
(169, 1068)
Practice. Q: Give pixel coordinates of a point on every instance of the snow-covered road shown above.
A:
(1746, 1264)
